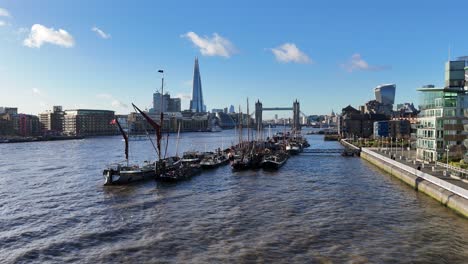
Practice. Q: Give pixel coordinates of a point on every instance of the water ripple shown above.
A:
(316, 209)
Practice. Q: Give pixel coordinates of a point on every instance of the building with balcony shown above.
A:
(52, 121)
(87, 122)
(441, 120)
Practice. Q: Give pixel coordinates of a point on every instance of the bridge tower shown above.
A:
(258, 114)
(296, 116)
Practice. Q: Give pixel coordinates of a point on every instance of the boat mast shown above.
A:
(177, 143)
(248, 122)
(124, 136)
(162, 110)
(240, 126)
(156, 127)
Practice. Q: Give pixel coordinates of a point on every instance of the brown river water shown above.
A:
(318, 208)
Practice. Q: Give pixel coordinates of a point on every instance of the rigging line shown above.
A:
(152, 143)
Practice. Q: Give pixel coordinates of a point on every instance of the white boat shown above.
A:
(293, 148)
(121, 174)
(213, 161)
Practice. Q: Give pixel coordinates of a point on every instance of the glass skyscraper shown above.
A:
(385, 94)
(196, 104)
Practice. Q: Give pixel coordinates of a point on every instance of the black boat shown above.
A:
(274, 161)
(182, 171)
(242, 163)
(252, 160)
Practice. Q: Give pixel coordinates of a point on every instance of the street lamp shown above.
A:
(447, 149)
(391, 145)
(402, 146)
(409, 148)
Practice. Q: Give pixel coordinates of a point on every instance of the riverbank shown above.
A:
(448, 191)
(37, 139)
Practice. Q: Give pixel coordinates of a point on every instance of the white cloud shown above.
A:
(113, 101)
(4, 13)
(101, 33)
(288, 52)
(36, 91)
(214, 46)
(40, 35)
(119, 104)
(3, 23)
(185, 96)
(357, 63)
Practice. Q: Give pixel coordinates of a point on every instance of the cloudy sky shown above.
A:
(328, 54)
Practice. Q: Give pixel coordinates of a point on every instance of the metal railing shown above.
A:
(437, 181)
(463, 173)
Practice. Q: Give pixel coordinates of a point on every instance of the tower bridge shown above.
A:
(296, 125)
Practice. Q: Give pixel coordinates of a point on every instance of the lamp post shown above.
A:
(409, 148)
(402, 140)
(391, 145)
(447, 149)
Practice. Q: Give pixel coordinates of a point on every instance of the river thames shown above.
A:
(316, 209)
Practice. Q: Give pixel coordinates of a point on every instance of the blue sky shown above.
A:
(327, 54)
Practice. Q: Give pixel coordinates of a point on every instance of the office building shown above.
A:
(52, 121)
(196, 104)
(86, 122)
(385, 94)
(455, 74)
(174, 105)
(170, 104)
(231, 109)
(441, 120)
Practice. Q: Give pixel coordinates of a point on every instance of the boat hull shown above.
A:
(272, 165)
(206, 165)
(113, 177)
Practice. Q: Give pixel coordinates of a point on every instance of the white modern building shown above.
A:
(440, 122)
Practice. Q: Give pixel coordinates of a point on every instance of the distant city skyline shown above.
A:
(84, 54)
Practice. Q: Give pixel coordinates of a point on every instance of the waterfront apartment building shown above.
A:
(442, 117)
(52, 121)
(14, 124)
(87, 122)
(26, 125)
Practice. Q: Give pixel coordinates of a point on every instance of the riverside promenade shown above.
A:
(430, 179)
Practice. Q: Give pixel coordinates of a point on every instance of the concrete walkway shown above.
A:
(438, 171)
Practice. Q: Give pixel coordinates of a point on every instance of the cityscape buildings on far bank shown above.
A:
(439, 129)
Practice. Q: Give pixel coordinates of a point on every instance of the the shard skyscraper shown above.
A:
(196, 104)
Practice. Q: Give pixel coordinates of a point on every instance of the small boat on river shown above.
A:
(213, 160)
(274, 161)
(123, 172)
